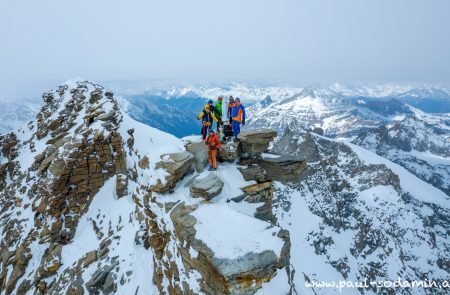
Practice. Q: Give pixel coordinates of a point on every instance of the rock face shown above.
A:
(284, 168)
(255, 142)
(200, 152)
(317, 130)
(243, 274)
(8, 153)
(177, 165)
(206, 186)
(261, 193)
(103, 280)
(254, 172)
(80, 149)
(274, 167)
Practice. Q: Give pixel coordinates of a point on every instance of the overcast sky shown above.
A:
(276, 41)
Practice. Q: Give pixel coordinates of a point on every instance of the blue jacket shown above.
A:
(238, 112)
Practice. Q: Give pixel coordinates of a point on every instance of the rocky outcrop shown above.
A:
(261, 193)
(74, 173)
(51, 261)
(253, 172)
(200, 152)
(284, 168)
(206, 186)
(80, 149)
(8, 153)
(421, 148)
(177, 165)
(255, 142)
(103, 280)
(317, 130)
(221, 275)
(274, 167)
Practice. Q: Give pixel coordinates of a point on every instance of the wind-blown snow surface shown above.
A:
(359, 216)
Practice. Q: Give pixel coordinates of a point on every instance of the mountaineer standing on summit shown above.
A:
(230, 106)
(218, 112)
(238, 117)
(207, 117)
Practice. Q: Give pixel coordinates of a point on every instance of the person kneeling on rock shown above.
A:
(213, 143)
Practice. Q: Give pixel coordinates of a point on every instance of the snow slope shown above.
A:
(360, 216)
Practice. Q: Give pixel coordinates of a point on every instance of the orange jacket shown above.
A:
(213, 142)
(238, 112)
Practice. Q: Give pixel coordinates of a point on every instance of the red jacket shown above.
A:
(213, 142)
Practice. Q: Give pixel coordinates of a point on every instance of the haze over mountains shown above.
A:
(172, 107)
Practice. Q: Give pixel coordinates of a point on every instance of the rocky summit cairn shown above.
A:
(255, 142)
(207, 186)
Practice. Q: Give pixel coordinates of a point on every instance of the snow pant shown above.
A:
(205, 130)
(212, 158)
(236, 128)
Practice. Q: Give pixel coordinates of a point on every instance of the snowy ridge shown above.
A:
(78, 211)
(336, 115)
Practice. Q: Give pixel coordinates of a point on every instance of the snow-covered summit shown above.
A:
(86, 209)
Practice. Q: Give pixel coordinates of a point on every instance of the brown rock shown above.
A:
(121, 185)
(89, 258)
(255, 142)
(144, 163)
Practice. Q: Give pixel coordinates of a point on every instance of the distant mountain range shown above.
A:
(341, 110)
(15, 113)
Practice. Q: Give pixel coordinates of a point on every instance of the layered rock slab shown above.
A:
(177, 165)
(281, 168)
(200, 152)
(255, 142)
(234, 259)
(207, 186)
